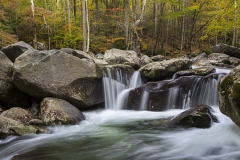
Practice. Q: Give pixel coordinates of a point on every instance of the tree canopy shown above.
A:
(158, 26)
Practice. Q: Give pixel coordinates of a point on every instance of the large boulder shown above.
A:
(57, 74)
(234, 61)
(16, 49)
(18, 114)
(117, 56)
(229, 95)
(9, 127)
(200, 116)
(161, 70)
(57, 112)
(9, 93)
(226, 49)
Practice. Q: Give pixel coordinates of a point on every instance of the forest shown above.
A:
(152, 27)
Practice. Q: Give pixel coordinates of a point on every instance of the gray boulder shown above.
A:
(145, 60)
(9, 93)
(202, 71)
(57, 112)
(229, 95)
(76, 53)
(226, 49)
(18, 114)
(57, 74)
(234, 61)
(16, 49)
(117, 56)
(202, 56)
(9, 127)
(158, 58)
(161, 70)
(99, 56)
(200, 117)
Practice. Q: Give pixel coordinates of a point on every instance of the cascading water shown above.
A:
(117, 85)
(122, 134)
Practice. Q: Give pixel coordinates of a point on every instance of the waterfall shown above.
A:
(117, 85)
(181, 93)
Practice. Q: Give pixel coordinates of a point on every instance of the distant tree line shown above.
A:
(146, 26)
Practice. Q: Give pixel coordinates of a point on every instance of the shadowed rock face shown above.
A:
(15, 50)
(165, 69)
(9, 93)
(226, 49)
(57, 74)
(200, 117)
(180, 93)
(229, 95)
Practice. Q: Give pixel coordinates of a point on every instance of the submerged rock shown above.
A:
(202, 71)
(161, 70)
(229, 95)
(15, 50)
(57, 74)
(200, 117)
(57, 112)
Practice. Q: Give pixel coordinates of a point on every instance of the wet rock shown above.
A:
(57, 74)
(202, 71)
(76, 53)
(184, 92)
(226, 49)
(18, 114)
(133, 65)
(117, 56)
(100, 61)
(229, 95)
(9, 93)
(161, 70)
(199, 117)
(9, 127)
(158, 58)
(57, 112)
(16, 49)
(218, 56)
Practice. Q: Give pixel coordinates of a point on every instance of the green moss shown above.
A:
(226, 85)
(236, 93)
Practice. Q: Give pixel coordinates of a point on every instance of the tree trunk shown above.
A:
(34, 24)
(84, 26)
(74, 9)
(88, 27)
(136, 40)
(69, 16)
(126, 24)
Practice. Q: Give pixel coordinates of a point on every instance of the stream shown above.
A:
(115, 134)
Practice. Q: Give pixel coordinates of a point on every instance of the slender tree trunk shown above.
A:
(136, 40)
(34, 24)
(126, 24)
(74, 9)
(84, 26)
(88, 27)
(69, 16)
(97, 15)
(183, 31)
